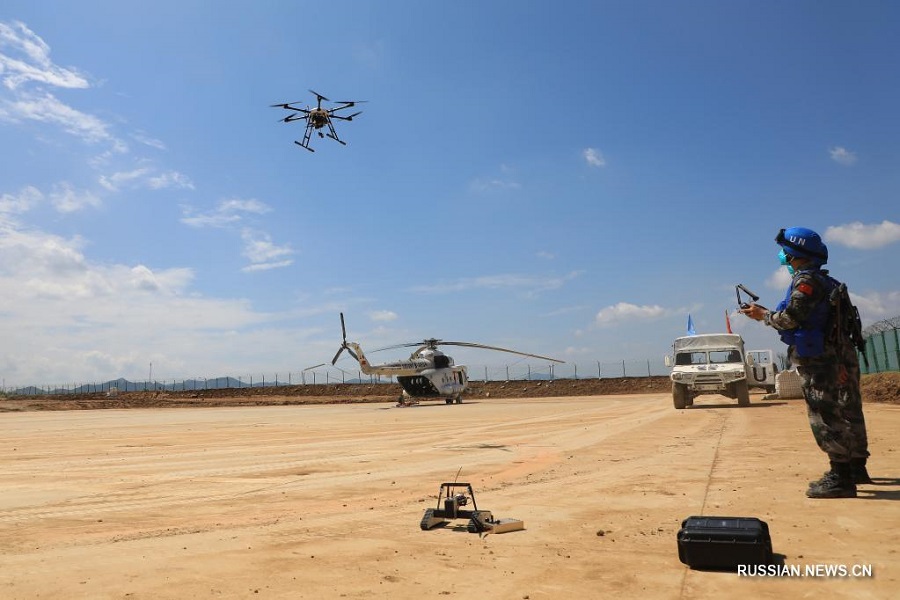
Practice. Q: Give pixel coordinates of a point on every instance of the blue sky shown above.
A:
(569, 178)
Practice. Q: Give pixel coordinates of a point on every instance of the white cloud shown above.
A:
(69, 318)
(149, 141)
(121, 179)
(383, 315)
(250, 206)
(490, 184)
(842, 156)
(534, 284)
(582, 351)
(624, 311)
(46, 108)
(170, 179)
(779, 280)
(22, 202)
(145, 177)
(546, 255)
(67, 199)
(864, 237)
(231, 214)
(227, 212)
(33, 61)
(594, 157)
(262, 253)
(876, 306)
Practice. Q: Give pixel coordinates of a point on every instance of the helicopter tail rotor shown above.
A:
(344, 345)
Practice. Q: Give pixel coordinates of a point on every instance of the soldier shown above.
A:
(821, 330)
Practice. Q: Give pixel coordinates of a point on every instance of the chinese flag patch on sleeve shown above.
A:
(805, 288)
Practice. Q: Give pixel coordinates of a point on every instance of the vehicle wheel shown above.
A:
(459, 399)
(742, 391)
(770, 389)
(679, 395)
(448, 400)
(688, 399)
(426, 518)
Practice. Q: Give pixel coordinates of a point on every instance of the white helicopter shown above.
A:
(428, 373)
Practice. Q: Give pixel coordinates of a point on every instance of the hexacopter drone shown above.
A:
(318, 118)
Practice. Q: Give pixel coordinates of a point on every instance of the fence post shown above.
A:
(623, 369)
(874, 356)
(887, 358)
(897, 348)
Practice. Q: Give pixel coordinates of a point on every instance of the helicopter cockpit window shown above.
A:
(441, 361)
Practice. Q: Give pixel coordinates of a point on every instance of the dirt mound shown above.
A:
(881, 387)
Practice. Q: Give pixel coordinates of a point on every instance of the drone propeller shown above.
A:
(287, 106)
(319, 96)
(344, 345)
(347, 118)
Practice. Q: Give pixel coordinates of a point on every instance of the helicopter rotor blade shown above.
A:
(395, 346)
(338, 355)
(499, 349)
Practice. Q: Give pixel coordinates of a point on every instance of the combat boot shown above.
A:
(837, 483)
(820, 480)
(858, 471)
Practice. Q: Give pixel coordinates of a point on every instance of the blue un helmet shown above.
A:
(803, 242)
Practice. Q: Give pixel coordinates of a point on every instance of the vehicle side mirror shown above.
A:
(668, 361)
(750, 360)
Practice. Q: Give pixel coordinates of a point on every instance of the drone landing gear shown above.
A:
(302, 146)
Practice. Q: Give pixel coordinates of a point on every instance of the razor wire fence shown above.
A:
(327, 375)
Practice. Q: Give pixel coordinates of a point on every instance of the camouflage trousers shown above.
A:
(834, 406)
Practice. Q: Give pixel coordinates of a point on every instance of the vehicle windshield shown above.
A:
(715, 357)
(690, 358)
(724, 356)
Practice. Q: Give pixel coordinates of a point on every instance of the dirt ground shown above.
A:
(325, 500)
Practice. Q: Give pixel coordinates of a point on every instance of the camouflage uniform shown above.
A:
(831, 377)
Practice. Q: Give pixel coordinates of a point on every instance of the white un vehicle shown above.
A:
(716, 363)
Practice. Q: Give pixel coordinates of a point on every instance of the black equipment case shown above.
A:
(724, 542)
